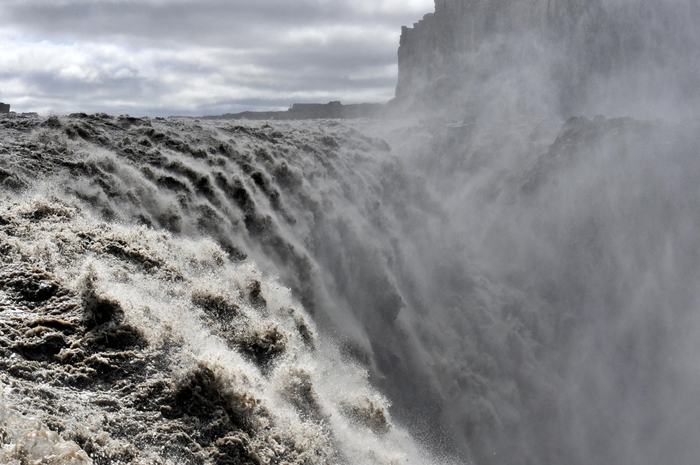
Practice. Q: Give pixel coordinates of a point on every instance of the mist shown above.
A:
(559, 320)
(502, 269)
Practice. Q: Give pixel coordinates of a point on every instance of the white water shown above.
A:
(160, 303)
(541, 310)
(523, 289)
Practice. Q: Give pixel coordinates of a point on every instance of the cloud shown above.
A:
(198, 57)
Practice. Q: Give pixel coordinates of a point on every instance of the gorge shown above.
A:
(504, 271)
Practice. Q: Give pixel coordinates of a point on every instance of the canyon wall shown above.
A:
(585, 51)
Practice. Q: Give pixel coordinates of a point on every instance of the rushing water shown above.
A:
(503, 285)
(186, 292)
(141, 346)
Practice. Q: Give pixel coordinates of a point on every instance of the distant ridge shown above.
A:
(4, 108)
(305, 111)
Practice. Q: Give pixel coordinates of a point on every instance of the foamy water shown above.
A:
(139, 317)
(194, 292)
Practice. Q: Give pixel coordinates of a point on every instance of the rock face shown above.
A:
(4, 108)
(581, 46)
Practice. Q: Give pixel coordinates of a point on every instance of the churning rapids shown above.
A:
(186, 292)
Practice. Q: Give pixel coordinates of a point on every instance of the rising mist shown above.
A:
(509, 256)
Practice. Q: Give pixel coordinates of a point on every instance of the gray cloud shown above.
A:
(197, 57)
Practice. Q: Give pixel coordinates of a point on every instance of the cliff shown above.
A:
(586, 49)
(4, 108)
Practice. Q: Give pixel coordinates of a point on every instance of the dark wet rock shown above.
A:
(299, 391)
(84, 333)
(41, 346)
(104, 318)
(29, 286)
(255, 294)
(44, 211)
(369, 414)
(99, 310)
(117, 337)
(169, 182)
(53, 122)
(218, 306)
(330, 142)
(303, 328)
(262, 346)
(234, 449)
(101, 452)
(287, 177)
(60, 325)
(127, 122)
(204, 397)
(138, 257)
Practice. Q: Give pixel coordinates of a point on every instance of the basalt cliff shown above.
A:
(579, 55)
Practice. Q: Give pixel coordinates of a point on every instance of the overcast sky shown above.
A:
(198, 56)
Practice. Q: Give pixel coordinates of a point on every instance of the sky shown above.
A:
(198, 57)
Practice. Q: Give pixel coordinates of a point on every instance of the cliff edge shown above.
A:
(581, 52)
